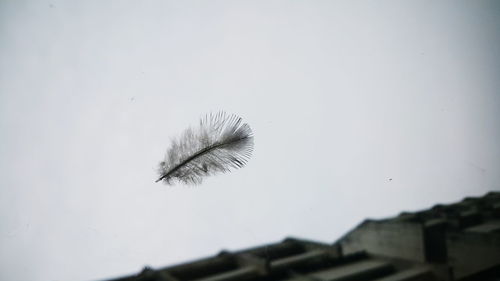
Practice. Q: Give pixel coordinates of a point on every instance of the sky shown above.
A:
(360, 109)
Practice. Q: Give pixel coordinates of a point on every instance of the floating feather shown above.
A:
(219, 144)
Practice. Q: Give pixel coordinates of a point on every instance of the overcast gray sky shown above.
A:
(342, 96)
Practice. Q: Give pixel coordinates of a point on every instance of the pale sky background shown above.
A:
(341, 95)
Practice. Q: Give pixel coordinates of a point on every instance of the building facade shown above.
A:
(458, 241)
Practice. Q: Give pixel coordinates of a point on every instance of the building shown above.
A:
(459, 241)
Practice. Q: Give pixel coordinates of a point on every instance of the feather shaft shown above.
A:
(198, 154)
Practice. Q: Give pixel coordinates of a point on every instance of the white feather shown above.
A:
(219, 144)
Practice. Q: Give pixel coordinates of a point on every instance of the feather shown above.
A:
(219, 144)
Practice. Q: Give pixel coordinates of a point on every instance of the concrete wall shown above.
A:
(395, 239)
(469, 253)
